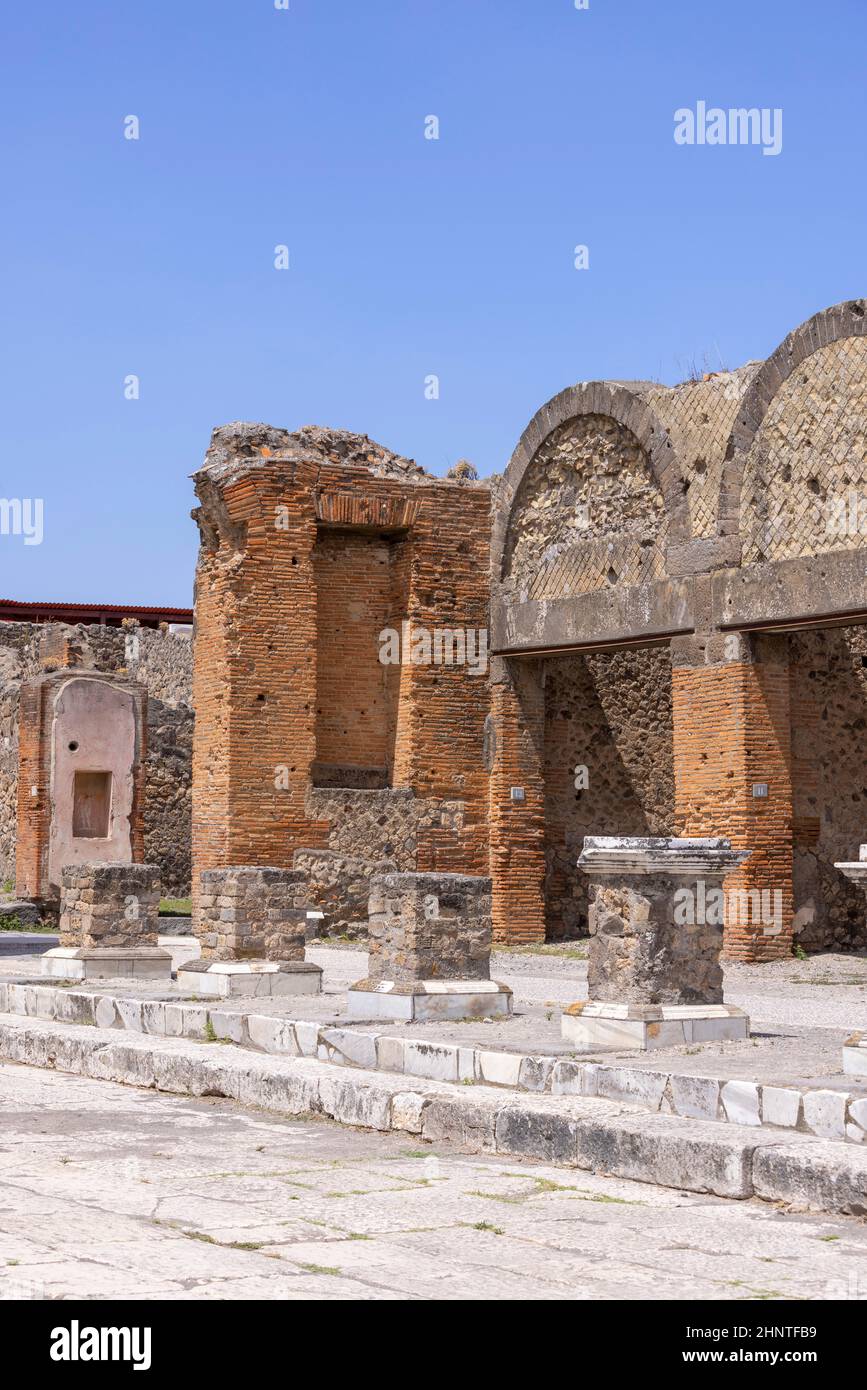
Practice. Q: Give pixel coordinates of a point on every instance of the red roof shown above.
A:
(110, 614)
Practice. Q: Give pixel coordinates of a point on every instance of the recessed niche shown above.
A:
(91, 805)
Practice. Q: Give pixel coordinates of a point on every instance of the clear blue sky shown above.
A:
(408, 256)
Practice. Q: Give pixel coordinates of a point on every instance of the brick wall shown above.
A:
(305, 553)
(731, 731)
(517, 828)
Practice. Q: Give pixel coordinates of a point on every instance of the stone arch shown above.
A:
(655, 494)
(847, 320)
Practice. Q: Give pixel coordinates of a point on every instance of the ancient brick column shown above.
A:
(251, 930)
(656, 933)
(430, 950)
(732, 772)
(109, 923)
(517, 801)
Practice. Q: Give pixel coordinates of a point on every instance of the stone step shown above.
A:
(829, 1108)
(590, 1134)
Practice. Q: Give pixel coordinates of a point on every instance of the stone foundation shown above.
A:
(109, 905)
(109, 923)
(252, 934)
(656, 923)
(430, 950)
(249, 913)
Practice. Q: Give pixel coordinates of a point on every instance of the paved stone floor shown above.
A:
(110, 1192)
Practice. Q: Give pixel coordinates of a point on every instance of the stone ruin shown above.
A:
(623, 573)
(656, 934)
(109, 924)
(430, 950)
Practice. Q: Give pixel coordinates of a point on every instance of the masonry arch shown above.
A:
(798, 447)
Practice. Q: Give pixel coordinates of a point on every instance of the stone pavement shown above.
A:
(110, 1192)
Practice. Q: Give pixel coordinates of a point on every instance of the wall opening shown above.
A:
(91, 805)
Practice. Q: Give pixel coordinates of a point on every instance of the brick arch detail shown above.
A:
(845, 320)
(620, 404)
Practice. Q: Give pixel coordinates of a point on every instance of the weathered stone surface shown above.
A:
(109, 905)
(251, 912)
(430, 927)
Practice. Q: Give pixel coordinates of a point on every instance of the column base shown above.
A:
(428, 1001)
(107, 962)
(250, 978)
(855, 1055)
(644, 1027)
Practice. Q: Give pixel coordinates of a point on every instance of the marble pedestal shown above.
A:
(107, 963)
(426, 1001)
(249, 978)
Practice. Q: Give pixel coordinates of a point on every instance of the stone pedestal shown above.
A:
(855, 1049)
(109, 922)
(252, 935)
(855, 1055)
(656, 932)
(430, 950)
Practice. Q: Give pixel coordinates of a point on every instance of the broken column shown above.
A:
(252, 934)
(109, 920)
(855, 1047)
(657, 916)
(430, 950)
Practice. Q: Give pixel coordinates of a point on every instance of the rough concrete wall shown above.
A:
(610, 713)
(160, 661)
(589, 513)
(828, 673)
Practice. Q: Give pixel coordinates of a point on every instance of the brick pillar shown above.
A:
(517, 828)
(254, 673)
(732, 733)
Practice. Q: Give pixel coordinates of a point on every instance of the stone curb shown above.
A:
(590, 1134)
(824, 1113)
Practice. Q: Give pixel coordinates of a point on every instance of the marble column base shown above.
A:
(250, 978)
(855, 1055)
(643, 1027)
(107, 962)
(422, 1001)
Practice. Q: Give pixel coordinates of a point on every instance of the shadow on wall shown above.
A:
(828, 680)
(609, 713)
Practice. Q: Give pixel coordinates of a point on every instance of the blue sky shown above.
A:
(408, 257)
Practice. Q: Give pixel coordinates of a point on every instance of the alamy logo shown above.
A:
(744, 907)
(77, 1343)
(739, 125)
(22, 516)
(438, 646)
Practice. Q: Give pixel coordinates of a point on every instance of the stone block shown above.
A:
(429, 926)
(251, 912)
(109, 905)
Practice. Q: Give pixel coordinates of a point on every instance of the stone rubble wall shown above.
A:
(162, 662)
(610, 713)
(828, 682)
